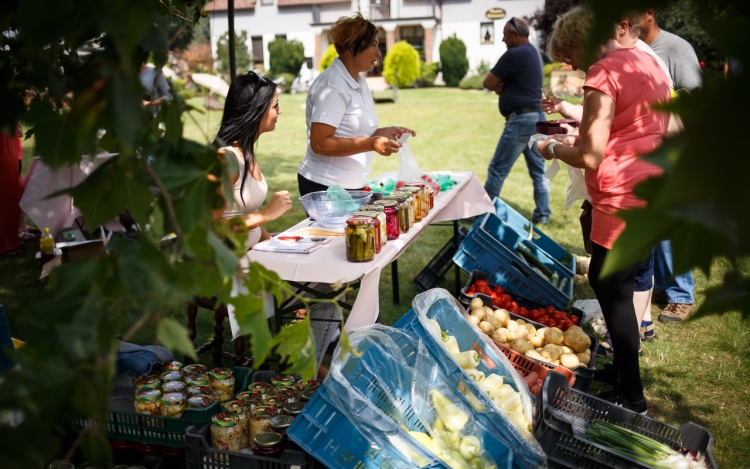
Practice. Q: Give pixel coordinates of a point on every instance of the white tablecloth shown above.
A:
(329, 264)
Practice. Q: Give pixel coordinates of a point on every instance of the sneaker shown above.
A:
(675, 312)
(540, 221)
(659, 298)
(607, 375)
(648, 331)
(614, 397)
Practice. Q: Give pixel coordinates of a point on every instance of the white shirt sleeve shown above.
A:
(329, 106)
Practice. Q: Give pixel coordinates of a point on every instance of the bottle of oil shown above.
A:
(47, 246)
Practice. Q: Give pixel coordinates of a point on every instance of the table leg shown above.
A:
(192, 312)
(394, 279)
(457, 270)
(219, 315)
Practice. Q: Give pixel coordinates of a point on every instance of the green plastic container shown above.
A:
(164, 431)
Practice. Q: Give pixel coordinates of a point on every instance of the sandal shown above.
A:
(648, 331)
(605, 348)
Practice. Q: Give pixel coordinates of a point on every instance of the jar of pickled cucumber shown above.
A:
(241, 409)
(424, 194)
(225, 435)
(376, 225)
(405, 211)
(173, 404)
(148, 402)
(222, 384)
(360, 239)
(383, 221)
(416, 195)
(390, 209)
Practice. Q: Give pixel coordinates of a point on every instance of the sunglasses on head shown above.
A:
(261, 79)
(513, 23)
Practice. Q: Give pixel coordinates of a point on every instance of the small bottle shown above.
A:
(47, 246)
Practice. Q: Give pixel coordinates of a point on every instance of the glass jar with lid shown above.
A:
(261, 418)
(195, 369)
(222, 384)
(260, 386)
(199, 401)
(225, 435)
(241, 410)
(172, 366)
(290, 392)
(148, 402)
(405, 211)
(173, 404)
(424, 195)
(307, 394)
(293, 408)
(171, 376)
(279, 424)
(287, 380)
(251, 397)
(268, 444)
(360, 239)
(196, 390)
(310, 383)
(376, 226)
(417, 196)
(390, 209)
(147, 383)
(174, 386)
(196, 380)
(383, 221)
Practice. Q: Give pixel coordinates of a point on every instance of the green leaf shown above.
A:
(635, 244)
(295, 344)
(226, 259)
(250, 312)
(174, 336)
(96, 448)
(125, 110)
(732, 295)
(55, 142)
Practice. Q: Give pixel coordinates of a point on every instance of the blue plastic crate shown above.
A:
(325, 432)
(485, 249)
(451, 320)
(6, 342)
(521, 225)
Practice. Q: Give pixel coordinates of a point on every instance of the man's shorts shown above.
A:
(644, 275)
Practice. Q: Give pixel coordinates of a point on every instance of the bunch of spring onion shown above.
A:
(642, 448)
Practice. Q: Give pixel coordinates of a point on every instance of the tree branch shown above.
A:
(167, 203)
(171, 12)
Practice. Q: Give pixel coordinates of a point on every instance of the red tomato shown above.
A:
(551, 323)
(534, 315)
(505, 305)
(550, 309)
(493, 296)
(544, 318)
(574, 319)
(514, 305)
(507, 297)
(498, 291)
(513, 310)
(524, 311)
(426, 177)
(486, 290)
(400, 184)
(558, 316)
(482, 283)
(565, 325)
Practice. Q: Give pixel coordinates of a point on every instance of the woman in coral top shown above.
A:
(617, 127)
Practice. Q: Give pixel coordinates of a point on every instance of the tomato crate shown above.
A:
(448, 315)
(199, 454)
(525, 365)
(6, 342)
(522, 226)
(563, 415)
(490, 247)
(123, 423)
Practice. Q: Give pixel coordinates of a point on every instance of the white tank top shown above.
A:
(254, 193)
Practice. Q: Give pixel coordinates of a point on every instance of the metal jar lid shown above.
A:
(386, 203)
(281, 421)
(294, 408)
(307, 394)
(268, 439)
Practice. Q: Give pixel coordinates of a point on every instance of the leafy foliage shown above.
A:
(474, 82)
(401, 65)
(68, 364)
(683, 19)
(285, 57)
(545, 17)
(700, 202)
(453, 61)
(428, 73)
(327, 59)
(242, 55)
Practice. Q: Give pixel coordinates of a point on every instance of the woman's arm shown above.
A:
(323, 142)
(568, 110)
(394, 132)
(599, 112)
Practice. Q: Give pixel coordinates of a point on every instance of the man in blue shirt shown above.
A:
(517, 78)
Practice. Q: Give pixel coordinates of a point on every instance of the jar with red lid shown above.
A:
(390, 209)
(360, 239)
(268, 444)
(376, 225)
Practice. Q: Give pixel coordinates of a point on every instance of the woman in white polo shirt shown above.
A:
(342, 127)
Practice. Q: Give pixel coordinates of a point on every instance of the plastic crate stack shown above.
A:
(492, 247)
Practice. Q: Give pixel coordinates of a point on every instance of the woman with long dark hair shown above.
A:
(251, 109)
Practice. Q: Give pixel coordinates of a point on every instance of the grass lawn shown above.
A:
(698, 371)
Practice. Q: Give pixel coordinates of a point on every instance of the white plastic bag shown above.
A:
(577, 187)
(408, 169)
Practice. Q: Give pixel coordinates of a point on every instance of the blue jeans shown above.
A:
(679, 288)
(515, 140)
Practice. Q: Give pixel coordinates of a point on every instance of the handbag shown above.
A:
(586, 222)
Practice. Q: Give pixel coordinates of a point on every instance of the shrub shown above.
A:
(285, 57)
(473, 82)
(552, 66)
(241, 54)
(288, 80)
(327, 59)
(427, 73)
(483, 68)
(453, 61)
(198, 57)
(179, 86)
(401, 65)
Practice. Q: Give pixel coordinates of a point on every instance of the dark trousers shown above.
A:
(615, 295)
(306, 186)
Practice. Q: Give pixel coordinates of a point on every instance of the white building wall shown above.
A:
(416, 9)
(331, 12)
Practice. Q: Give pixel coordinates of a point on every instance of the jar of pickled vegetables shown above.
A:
(279, 424)
(424, 196)
(241, 410)
(147, 383)
(390, 209)
(195, 369)
(307, 394)
(261, 387)
(405, 212)
(261, 418)
(287, 380)
(225, 435)
(148, 402)
(199, 401)
(310, 383)
(376, 226)
(173, 404)
(416, 196)
(174, 386)
(196, 380)
(290, 392)
(293, 408)
(171, 376)
(172, 366)
(268, 444)
(383, 221)
(275, 400)
(196, 390)
(360, 239)
(222, 384)
(251, 397)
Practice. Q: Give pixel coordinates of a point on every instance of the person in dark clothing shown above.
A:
(517, 78)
